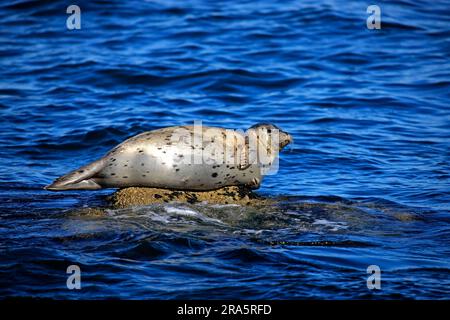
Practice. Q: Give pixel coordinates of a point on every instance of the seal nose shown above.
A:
(285, 139)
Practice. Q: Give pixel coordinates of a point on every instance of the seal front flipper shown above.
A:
(244, 161)
(79, 179)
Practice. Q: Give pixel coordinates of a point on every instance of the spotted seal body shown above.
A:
(183, 158)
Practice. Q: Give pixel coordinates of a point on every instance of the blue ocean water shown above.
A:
(365, 183)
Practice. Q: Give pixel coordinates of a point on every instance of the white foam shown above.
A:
(182, 211)
(335, 226)
(191, 213)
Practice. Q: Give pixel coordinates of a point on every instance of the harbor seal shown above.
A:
(197, 158)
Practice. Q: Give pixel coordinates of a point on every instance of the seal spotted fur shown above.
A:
(183, 158)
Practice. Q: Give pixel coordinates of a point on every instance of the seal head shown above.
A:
(270, 131)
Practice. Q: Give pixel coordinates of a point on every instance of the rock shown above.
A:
(137, 196)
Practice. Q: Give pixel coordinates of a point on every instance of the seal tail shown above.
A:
(79, 179)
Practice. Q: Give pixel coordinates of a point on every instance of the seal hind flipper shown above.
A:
(79, 179)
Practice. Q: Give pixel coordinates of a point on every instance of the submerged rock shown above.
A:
(137, 196)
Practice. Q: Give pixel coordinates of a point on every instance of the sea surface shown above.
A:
(365, 183)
